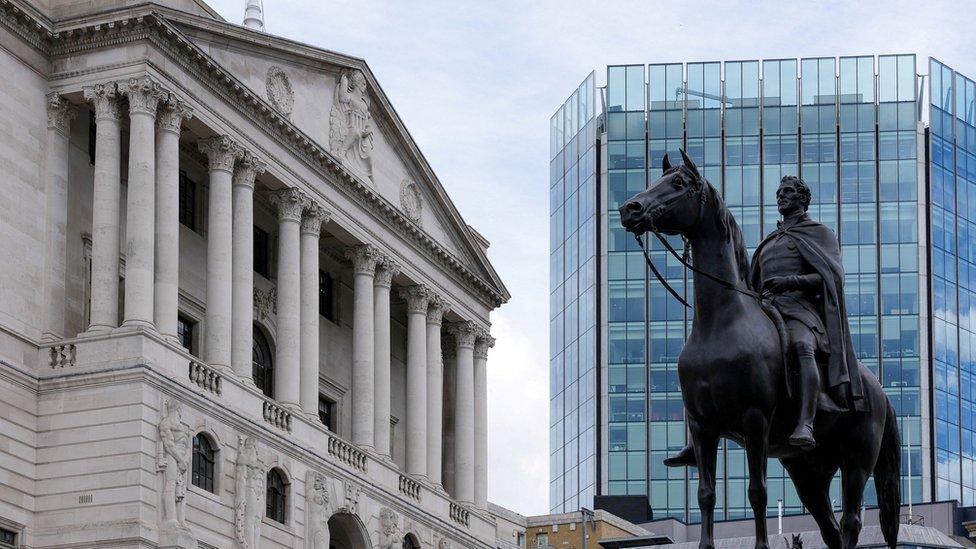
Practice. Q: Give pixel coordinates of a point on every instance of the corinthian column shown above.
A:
(222, 152)
(172, 113)
(242, 269)
(290, 203)
(465, 332)
(106, 201)
(386, 269)
(140, 231)
(363, 259)
(435, 389)
(481, 346)
(417, 298)
(59, 115)
(312, 221)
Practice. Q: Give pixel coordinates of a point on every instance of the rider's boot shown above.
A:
(684, 458)
(809, 387)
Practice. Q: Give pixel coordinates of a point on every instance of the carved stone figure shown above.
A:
(350, 496)
(318, 509)
(279, 90)
(410, 201)
(351, 124)
(391, 537)
(750, 324)
(249, 490)
(172, 463)
(444, 543)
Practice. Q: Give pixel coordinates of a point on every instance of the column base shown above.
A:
(134, 325)
(98, 329)
(50, 337)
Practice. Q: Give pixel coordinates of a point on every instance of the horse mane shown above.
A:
(732, 230)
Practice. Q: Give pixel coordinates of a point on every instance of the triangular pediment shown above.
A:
(300, 82)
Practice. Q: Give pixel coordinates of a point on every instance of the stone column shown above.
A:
(363, 259)
(140, 213)
(311, 228)
(435, 389)
(59, 115)
(465, 332)
(386, 269)
(417, 298)
(449, 347)
(106, 202)
(222, 152)
(290, 204)
(481, 346)
(171, 115)
(242, 265)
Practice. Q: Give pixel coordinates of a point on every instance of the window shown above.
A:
(188, 202)
(91, 137)
(261, 252)
(262, 367)
(184, 332)
(275, 496)
(409, 543)
(542, 539)
(325, 296)
(203, 462)
(8, 538)
(520, 540)
(327, 412)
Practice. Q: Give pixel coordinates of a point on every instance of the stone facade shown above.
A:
(176, 192)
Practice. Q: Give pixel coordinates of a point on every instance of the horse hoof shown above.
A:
(684, 458)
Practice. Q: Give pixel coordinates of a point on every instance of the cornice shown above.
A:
(144, 23)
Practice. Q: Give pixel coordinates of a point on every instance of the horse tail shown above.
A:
(887, 478)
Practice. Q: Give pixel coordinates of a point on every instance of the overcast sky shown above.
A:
(476, 83)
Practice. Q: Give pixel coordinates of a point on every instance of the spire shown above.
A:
(254, 14)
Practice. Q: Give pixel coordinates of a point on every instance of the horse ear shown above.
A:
(665, 163)
(689, 163)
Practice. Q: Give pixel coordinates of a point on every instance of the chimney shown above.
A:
(254, 14)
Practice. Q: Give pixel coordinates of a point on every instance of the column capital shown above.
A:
(59, 113)
(248, 168)
(417, 298)
(172, 113)
(364, 258)
(313, 217)
(483, 342)
(221, 152)
(144, 94)
(290, 203)
(436, 310)
(105, 99)
(466, 332)
(386, 269)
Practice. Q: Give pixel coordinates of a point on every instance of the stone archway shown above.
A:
(348, 532)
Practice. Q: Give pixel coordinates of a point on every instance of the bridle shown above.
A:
(684, 258)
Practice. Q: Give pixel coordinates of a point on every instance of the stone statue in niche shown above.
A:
(248, 495)
(390, 535)
(318, 510)
(172, 462)
(351, 125)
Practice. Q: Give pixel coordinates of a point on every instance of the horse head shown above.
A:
(670, 205)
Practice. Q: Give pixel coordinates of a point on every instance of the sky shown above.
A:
(476, 82)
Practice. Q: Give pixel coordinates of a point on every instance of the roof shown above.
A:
(911, 535)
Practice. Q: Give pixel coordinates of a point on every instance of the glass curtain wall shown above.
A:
(572, 226)
(818, 136)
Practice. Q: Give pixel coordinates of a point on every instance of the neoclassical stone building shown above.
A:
(237, 307)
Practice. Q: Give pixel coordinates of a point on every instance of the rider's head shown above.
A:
(792, 195)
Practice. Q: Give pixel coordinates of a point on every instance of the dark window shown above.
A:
(262, 368)
(8, 538)
(409, 543)
(325, 296)
(275, 496)
(188, 202)
(91, 137)
(327, 410)
(261, 252)
(203, 462)
(184, 331)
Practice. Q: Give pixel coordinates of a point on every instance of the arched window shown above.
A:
(204, 456)
(409, 543)
(275, 496)
(262, 367)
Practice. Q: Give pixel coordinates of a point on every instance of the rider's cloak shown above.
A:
(820, 248)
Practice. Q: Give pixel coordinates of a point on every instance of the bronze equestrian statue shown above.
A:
(769, 361)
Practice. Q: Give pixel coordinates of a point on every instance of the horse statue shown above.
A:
(734, 382)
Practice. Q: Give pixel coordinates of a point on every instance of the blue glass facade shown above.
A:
(896, 181)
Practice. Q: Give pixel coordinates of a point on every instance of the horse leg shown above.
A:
(813, 486)
(757, 450)
(706, 450)
(853, 478)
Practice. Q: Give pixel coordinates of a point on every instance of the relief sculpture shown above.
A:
(248, 495)
(351, 125)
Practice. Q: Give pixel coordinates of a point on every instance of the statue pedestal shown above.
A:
(180, 538)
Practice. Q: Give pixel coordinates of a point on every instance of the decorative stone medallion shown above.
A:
(410, 201)
(280, 94)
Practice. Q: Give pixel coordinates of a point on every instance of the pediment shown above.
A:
(301, 83)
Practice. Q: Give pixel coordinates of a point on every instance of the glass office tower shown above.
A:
(888, 149)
